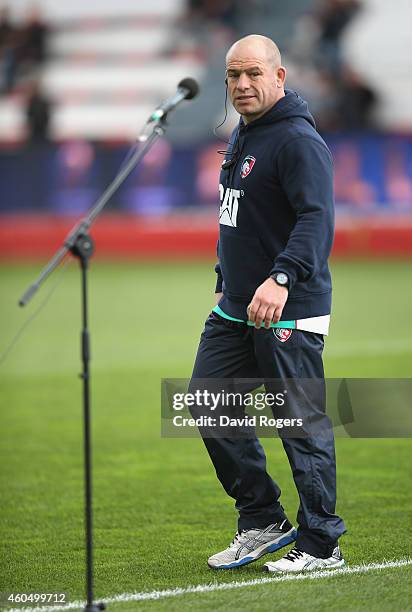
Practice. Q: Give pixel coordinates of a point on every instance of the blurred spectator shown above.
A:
(5, 25)
(333, 16)
(218, 11)
(23, 49)
(34, 38)
(8, 51)
(204, 25)
(356, 101)
(38, 111)
(340, 98)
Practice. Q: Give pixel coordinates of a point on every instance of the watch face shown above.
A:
(281, 279)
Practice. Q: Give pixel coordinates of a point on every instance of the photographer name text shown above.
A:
(225, 421)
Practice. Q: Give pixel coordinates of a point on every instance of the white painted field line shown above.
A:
(208, 588)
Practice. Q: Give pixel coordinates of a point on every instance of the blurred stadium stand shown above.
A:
(105, 70)
(79, 79)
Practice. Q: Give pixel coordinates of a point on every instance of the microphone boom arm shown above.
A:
(84, 224)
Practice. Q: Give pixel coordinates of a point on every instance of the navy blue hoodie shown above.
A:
(277, 211)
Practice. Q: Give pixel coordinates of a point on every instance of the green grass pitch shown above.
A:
(159, 510)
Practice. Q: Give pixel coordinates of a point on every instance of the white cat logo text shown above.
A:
(229, 205)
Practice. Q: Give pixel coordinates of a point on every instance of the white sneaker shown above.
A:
(251, 544)
(298, 561)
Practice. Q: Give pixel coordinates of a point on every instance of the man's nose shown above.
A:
(243, 81)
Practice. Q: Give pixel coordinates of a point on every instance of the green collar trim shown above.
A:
(282, 324)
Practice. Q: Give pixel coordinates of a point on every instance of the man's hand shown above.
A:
(218, 297)
(267, 304)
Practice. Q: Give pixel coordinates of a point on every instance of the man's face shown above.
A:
(255, 83)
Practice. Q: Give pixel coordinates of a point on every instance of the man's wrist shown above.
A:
(281, 279)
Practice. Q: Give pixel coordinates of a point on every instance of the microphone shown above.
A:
(186, 90)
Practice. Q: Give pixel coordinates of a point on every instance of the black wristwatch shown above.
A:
(281, 279)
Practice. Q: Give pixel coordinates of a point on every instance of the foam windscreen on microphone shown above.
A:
(192, 87)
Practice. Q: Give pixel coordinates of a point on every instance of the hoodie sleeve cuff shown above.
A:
(219, 279)
(288, 270)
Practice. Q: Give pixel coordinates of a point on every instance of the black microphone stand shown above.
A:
(79, 243)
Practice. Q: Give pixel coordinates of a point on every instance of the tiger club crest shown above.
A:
(282, 334)
(247, 166)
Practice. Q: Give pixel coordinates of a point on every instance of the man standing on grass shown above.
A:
(273, 282)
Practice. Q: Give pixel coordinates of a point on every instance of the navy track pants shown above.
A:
(232, 350)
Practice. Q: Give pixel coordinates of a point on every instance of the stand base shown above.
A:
(95, 607)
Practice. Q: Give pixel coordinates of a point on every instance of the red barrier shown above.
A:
(183, 236)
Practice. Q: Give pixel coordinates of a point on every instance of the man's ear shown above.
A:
(280, 76)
